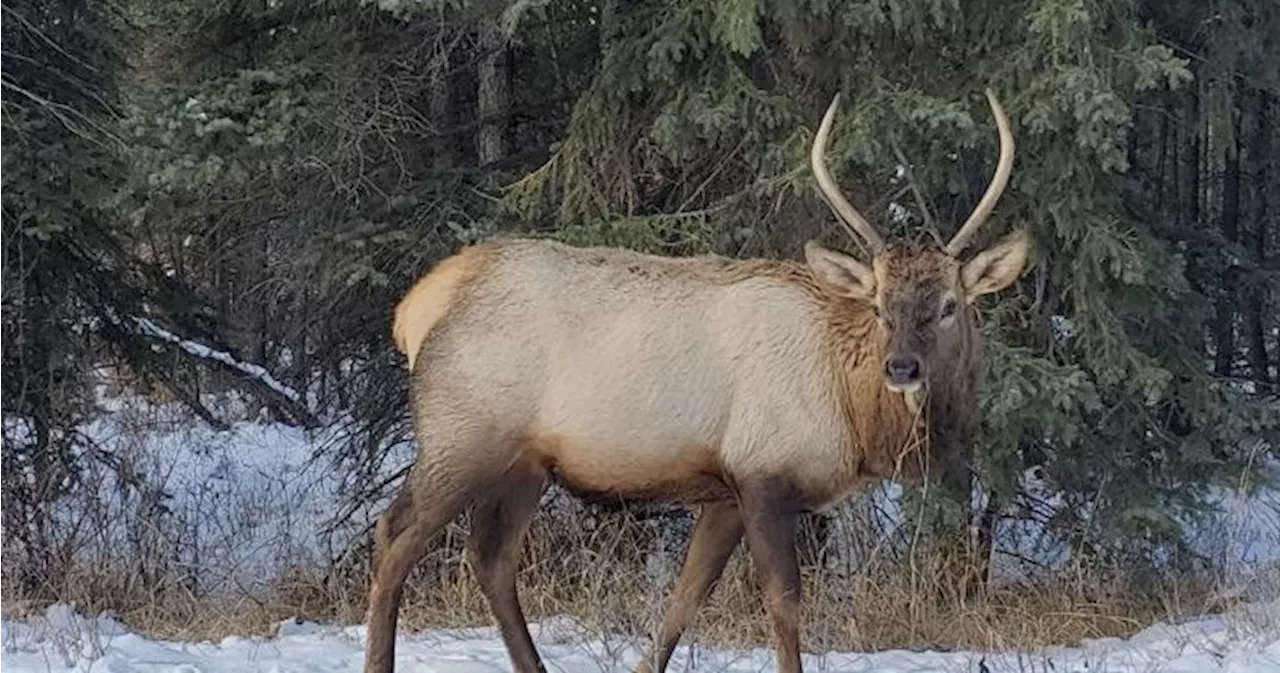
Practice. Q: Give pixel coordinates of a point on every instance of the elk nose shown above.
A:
(902, 370)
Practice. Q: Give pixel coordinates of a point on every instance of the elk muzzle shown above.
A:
(902, 373)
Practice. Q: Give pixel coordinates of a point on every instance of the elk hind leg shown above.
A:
(429, 500)
(715, 535)
(498, 527)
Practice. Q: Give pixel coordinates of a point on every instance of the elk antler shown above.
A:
(998, 181)
(855, 223)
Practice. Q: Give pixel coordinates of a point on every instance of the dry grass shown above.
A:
(602, 578)
(597, 568)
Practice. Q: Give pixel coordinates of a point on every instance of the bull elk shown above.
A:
(756, 389)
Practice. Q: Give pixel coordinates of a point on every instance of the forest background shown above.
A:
(213, 206)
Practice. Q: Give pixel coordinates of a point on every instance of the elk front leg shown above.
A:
(717, 532)
(770, 510)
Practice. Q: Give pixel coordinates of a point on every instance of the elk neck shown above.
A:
(889, 431)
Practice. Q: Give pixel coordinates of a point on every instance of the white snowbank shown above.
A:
(1247, 641)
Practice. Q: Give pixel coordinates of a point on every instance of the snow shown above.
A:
(61, 640)
(232, 508)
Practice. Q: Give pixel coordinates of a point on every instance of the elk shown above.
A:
(753, 389)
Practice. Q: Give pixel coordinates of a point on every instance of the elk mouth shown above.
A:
(906, 383)
(909, 388)
(913, 394)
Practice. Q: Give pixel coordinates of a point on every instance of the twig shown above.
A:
(48, 40)
(64, 114)
(915, 190)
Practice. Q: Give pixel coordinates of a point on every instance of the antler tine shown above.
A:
(844, 211)
(998, 181)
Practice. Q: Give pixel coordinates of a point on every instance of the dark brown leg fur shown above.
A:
(714, 538)
(400, 540)
(770, 510)
(498, 527)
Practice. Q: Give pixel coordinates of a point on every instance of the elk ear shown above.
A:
(842, 273)
(996, 267)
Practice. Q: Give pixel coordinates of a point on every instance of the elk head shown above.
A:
(920, 294)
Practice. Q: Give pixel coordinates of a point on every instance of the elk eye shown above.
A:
(949, 308)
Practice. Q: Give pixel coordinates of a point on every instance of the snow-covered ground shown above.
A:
(1246, 641)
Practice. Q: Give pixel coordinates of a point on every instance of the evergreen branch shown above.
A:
(258, 372)
(713, 174)
(21, 58)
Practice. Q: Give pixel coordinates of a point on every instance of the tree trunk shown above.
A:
(493, 94)
(986, 537)
(1191, 162)
(1162, 162)
(439, 107)
(1224, 313)
(36, 486)
(1255, 327)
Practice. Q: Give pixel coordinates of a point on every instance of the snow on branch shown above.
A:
(257, 372)
(288, 398)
